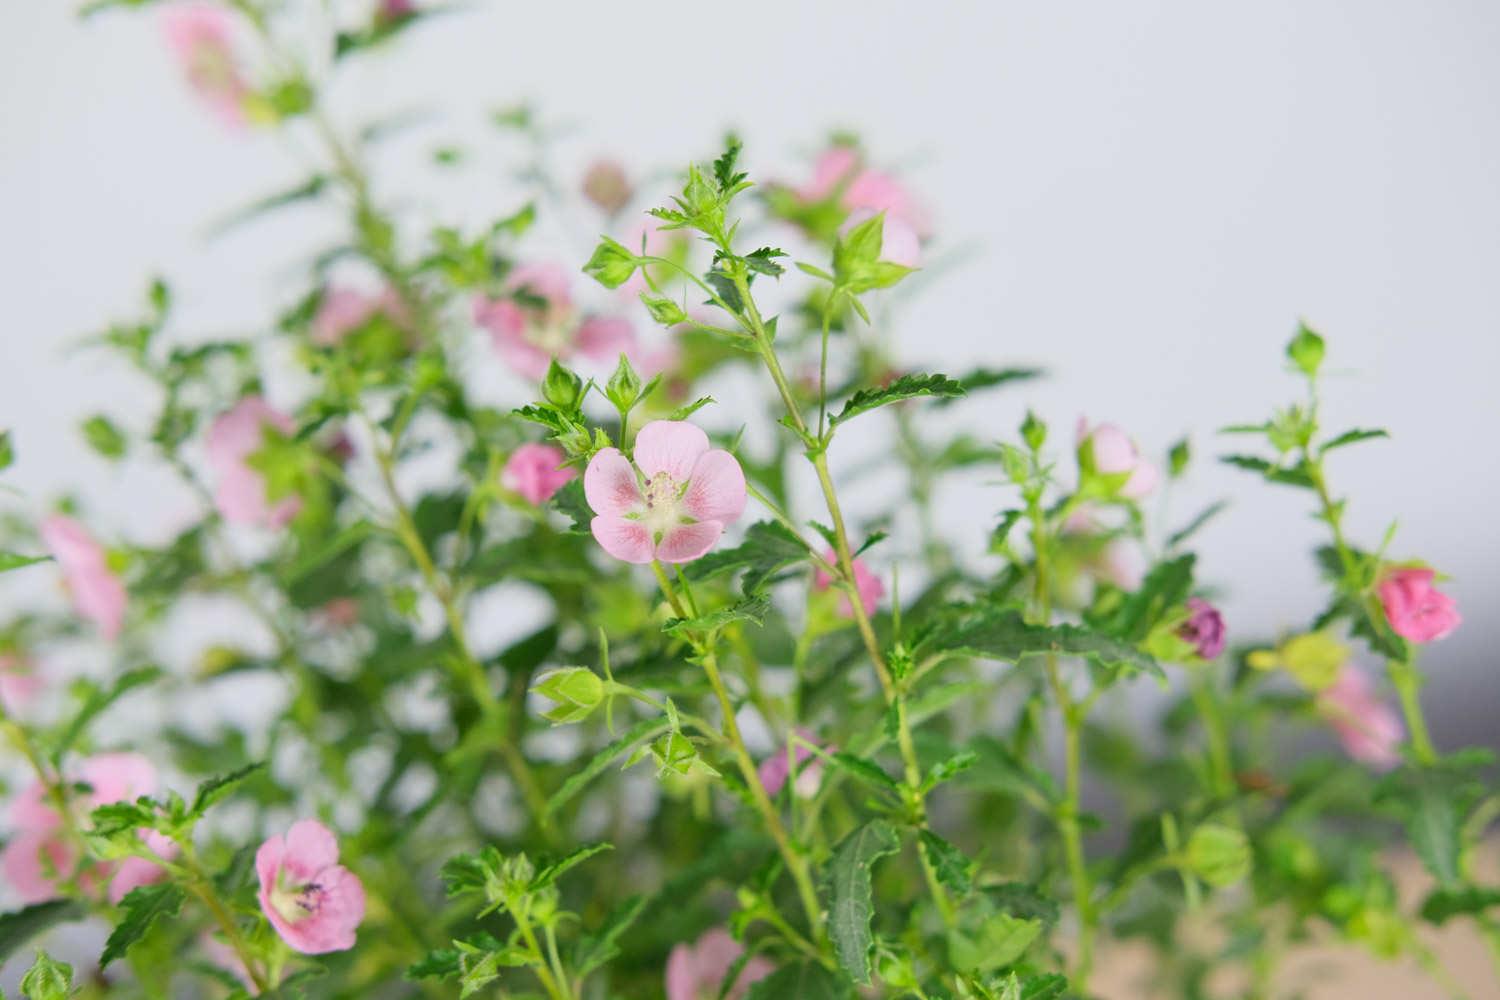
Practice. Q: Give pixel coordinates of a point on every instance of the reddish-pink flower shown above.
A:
(1417, 610)
(234, 437)
(19, 684)
(541, 323)
(201, 35)
(1114, 453)
(1204, 628)
(98, 594)
(343, 310)
(842, 169)
(775, 769)
(536, 472)
(691, 491)
(39, 851)
(1369, 729)
(870, 587)
(696, 971)
(314, 903)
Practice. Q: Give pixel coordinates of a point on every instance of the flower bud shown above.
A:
(624, 386)
(577, 691)
(562, 387)
(664, 310)
(1219, 855)
(612, 263)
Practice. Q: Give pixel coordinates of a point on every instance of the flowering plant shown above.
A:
(743, 734)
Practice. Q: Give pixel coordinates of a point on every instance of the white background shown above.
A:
(1148, 195)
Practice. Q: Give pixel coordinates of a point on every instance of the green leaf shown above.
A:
(768, 548)
(905, 387)
(1294, 475)
(579, 779)
(597, 949)
(763, 261)
(1433, 826)
(751, 609)
(47, 979)
(954, 868)
(308, 190)
(142, 907)
(1351, 437)
(327, 550)
(850, 906)
(7, 450)
(949, 769)
(214, 790)
(991, 378)
(805, 981)
(11, 560)
(1445, 904)
(104, 437)
(551, 871)
(1039, 986)
(1004, 634)
(1191, 528)
(867, 771)
(19, 926)
(1219, 855)
(1164, 588)
(998, 941)
(99, 699)
(571, 501)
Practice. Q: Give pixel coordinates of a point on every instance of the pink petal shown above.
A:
(628, 541)
(239, 432)
(70, 543)
(686, 542)
(610, 486)
(670, 446)
(310, 848)
(604, 338)
(682, 982)
(332, 927)
(22, 864)
(536, 472)
(545, 281)
(267, 866)
(506, 323)
(716, 491)
(118, 777)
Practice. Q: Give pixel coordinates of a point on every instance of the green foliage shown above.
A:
(903, 388)
(142, 907)
(47, 979)
(847, 879)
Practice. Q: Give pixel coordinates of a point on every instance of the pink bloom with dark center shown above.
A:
(691, 491)
(870, 587)
(38, 850)
(1417, 610)
(1204, 628)
(775, 769)
(234, 437)
(201, 35)
(541, 323)
(1369, 729)
(842, 168)
(1115, 454)
(696, 971)
(536, 472)
(314, 903)
(19, 684)
(97, 592)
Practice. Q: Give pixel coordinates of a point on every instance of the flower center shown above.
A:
(663, 503)
(296, 902)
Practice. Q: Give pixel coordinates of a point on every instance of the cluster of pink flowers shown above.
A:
(202, 37)
(529, 334)
(314, 903)
(672, 503)
(39, 850)
(697, 971)
(98, 595)
(241, 491)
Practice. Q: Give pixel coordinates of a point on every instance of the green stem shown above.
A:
(1408, 682)
(1220, 766)
(541, 969)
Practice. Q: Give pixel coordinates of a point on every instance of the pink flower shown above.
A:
(536, 471)
(1114, 454)
(696, 971)
(529, 334)
(870, 588)
(1204, 628)
(313, 902)
(234, 437)
(841, 169)
(606, 185)
(1369, 729)
(98, 594)
(201, 36)
(1415, 609)
(774, 770)
(18, 684)
(691, 492)
(39, 844)
(343, 310)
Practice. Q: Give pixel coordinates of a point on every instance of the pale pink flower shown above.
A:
(1114, 454)
(696, 971)
(202, 37)
(775, 769)
(870, 587)
(343, 310)
(1369, 729)
(38, 832)
(97, 592)
(1417, 610)
(19, 684)
(1121, 563)
(691, 492)
(606, 185)
(232, 439)
(314, 903)
(899, 242)
(536, 472)
(841, 168)
(528, 335)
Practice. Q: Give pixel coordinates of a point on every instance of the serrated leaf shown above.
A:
(850, 905)
(97, 701)
(905, 387)
(553, 870)
(804, 981)
(954, 868)
(949, 769)
(1351, 437)
(996, 943)
(579, 779)
(768, 548)
(1444, 904)
(142, 907)
(215, 789)
(1004, 634)
(991, 378)
(19, 926)
(751, 609)
(571, 501)
(866, 771)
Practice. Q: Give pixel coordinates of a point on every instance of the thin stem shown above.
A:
(1220, 766)
(543, 973)
(1408, 682)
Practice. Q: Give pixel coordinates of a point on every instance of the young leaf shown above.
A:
(553, 870)
(751, 609)
(953, 867)
(97, 701)
(905, 387)
(214, 790)
(848, 882)
(1351, 437)
(576, 782)
(1003, 634)
(142, 907)
(11, 560)
(47, 979)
